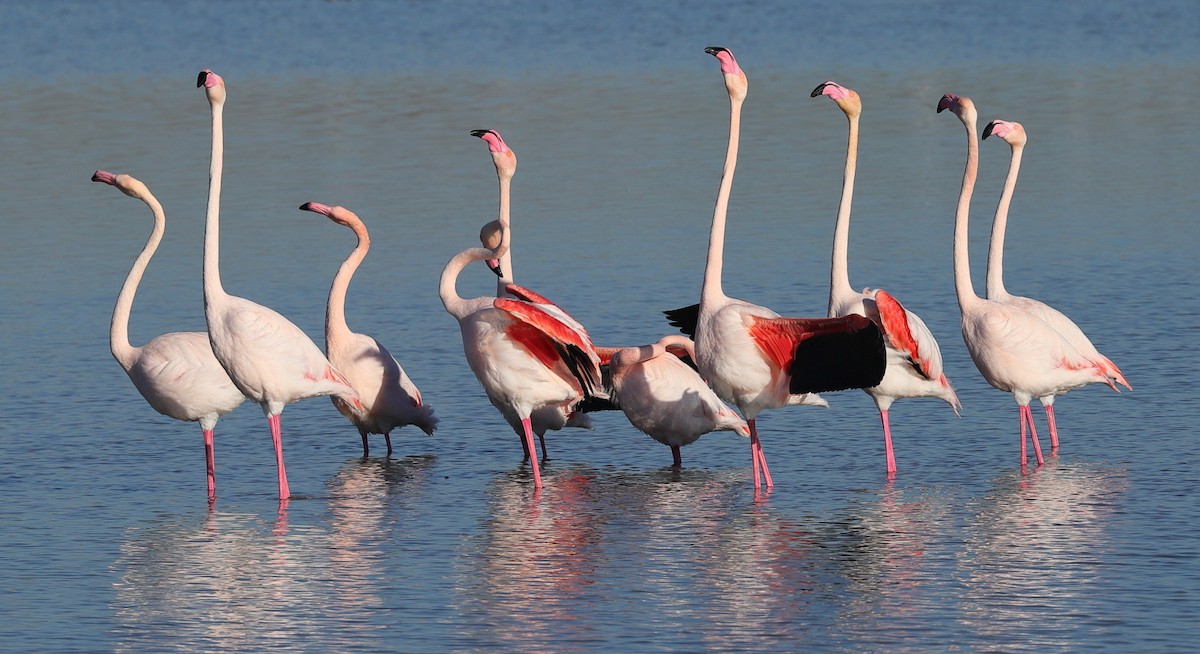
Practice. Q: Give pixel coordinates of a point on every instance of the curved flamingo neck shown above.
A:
(504, 215)
(455, 304)
(962, 265)
(212, 220)
(711, 289)
(335, 309)
(995, 267)
(118, 333)
(839, 267)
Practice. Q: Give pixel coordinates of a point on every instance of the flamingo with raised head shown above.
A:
(1014, 134)
(177, 373)
(914, 360)
(526, 352)
(269, 359)
(1013, 349)
(547, 418)
(665, 397)
(750, 355)
(389, 397)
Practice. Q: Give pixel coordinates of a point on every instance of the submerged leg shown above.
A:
(387, 438)
(759, 459)
(1053, 427)
(533, 462)
(676, 457)
(366, 446)
(542, 440)
(277, 440)
(887, 443)
(1021, 417)
(210, 464)
(1037, 449)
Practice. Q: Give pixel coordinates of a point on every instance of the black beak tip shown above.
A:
(713, 50)
(200, 78)
(817, 91)
(479, 132)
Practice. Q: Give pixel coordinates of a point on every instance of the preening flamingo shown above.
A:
(1014, 134)
(269, 358)
(177, 373)
(665, 397)
(548, 417)
(750, 355)
(526, 352)
(1014, 350)
(389, 397)
(914, 361)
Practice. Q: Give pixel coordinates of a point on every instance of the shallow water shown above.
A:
(619, 123)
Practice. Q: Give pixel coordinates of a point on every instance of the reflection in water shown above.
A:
(1033, 553)
(239, 582)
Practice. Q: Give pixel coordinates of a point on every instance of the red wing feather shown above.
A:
(552, 326)
(779, 337)
(522, 293)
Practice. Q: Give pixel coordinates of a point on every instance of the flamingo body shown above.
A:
(176, 373)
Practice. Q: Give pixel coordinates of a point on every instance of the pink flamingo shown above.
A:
(269, 358)
(547, 418)
(914, 361)
(750, 355)
(526, 352)
(389, 397)
(1014, 350)
(665, 397)
(1014, 134)
(176, 372)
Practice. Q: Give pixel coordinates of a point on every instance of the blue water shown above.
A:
(107, 542)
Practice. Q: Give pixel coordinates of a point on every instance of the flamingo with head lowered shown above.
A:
(914, 360)
(526, 352)
(389, 397)
(1013, 349)
(747, 353)
(547, 418)
(176, 372)
(269, 358)
(1014, 134)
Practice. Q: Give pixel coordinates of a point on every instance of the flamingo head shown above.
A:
(846, 99)
(503, 156)
(735, 78)
(962, 107)
(1011, 132)
(339, 215)
(213, 85)
(128, 185)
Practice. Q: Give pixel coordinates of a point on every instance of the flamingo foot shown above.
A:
(277, 441)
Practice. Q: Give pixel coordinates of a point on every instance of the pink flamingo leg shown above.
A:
(676, 456)
(758, 458)
(210, 463)
(887, 443)
(1021, 417)
(1037, 449)
(533, 462)
(277, 440)
(1053, 427)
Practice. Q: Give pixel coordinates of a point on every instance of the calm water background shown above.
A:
(107, 543)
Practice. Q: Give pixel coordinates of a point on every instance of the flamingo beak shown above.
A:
(494, 266)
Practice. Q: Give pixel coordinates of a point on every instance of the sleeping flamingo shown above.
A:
(750, 355)
(914, 361)
(665, 397)
(547, 417)
(526, 352)
(389, 398)
(1014, 350)
(1014, 134)
(176, 372)
(269, 358)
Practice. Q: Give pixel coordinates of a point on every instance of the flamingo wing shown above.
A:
(544, 333)
(907, 333)
(684, 318)
(822, 354)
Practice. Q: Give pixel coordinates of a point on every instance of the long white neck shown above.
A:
(212, 227)
(839, 273)
(962, 265)
(507, 276)
(447, 291)
(335, 309)
(711, 289)
(995, 267)
(118, 332)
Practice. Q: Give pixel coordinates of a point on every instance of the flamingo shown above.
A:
(750, 355)
(389, 397)
(547, 417)
(177, 373)
(914, 361)
(1014, 134)
(269, 358)
(665, 397)
(526, 352)
(1013, 349)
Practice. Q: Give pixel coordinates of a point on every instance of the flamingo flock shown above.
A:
(539, 366)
